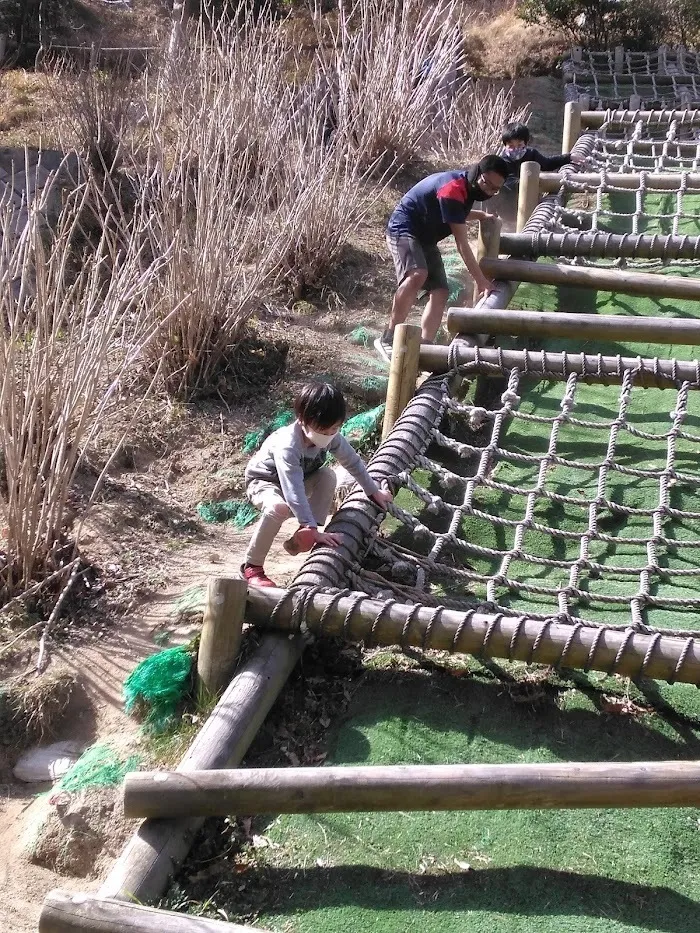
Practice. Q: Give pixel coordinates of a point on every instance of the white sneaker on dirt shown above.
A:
(383, 345)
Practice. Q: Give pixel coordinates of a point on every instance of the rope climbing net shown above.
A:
(620, 78)
(571, 514)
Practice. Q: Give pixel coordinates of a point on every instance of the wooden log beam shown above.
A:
(594, 119)
(551, 182)
(515, 323)
(662, 657)
(157, 847)
(626, 282)
(370, 789)
(598, 245)
(65, 912)
(592, 367)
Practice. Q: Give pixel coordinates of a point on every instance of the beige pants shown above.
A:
(266, 496)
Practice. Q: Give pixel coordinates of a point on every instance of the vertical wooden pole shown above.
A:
(619, 58)
(402, 373)
(572, 126)
(488, 244)
(221, 634)
(584, 102)
(528, 192)
(577, 54)
(635, 102)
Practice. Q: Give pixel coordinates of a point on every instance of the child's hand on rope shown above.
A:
(382, 498)
(304, 538)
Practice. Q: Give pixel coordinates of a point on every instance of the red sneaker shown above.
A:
(301, 540)
(256, 576)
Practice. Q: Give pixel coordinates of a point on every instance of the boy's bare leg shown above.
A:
(406, 296)
(432, 316)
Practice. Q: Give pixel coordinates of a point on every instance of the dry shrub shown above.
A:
(248, 190)
(70, 327)
(391, 74)
(31, 708)
(504, 46)
(474, 125)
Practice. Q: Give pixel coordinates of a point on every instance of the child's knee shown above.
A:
(278, 510)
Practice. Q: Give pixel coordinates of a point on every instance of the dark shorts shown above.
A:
(408, 254)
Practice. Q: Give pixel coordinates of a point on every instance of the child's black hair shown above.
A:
(494, 163)
(320, 404)
(515, 131)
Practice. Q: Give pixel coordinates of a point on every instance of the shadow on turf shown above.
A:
(523, 890)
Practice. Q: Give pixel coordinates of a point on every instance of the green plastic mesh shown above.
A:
(254, 439)
(238, 512)
(158, 684)
(361, 337)
(98, 766)
(374, 383)
(361, 428)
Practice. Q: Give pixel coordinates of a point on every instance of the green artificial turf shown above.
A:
(497, 871)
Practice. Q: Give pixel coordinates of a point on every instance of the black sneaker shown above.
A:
(383, 345)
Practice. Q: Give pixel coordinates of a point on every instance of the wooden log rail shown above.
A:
(591, 367)
(85, 913)
(599, 245)
(357, 618)
(514, 323)
(624, 281)
(368, 789)
(551, 182)
(594, 119)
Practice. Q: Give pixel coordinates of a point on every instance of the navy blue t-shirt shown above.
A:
(426, 211)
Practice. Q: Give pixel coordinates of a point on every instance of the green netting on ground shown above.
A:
(363, 427)
(658, 209)
(98, 766)
(360, 336)
(456, 273)
(238, 512)
(158, 685)
(552, 871)
(253, 439)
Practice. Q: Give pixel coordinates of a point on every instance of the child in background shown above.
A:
(516, 150)
(287, 477)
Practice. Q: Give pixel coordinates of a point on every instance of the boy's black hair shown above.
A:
(515, 131)
(320, 404)
(494, 163)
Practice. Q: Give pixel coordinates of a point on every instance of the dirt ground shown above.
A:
(152, 549)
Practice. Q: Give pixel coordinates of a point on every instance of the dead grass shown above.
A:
(31, 708)
(503, 46)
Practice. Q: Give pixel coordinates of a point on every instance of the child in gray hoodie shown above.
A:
(287, 477)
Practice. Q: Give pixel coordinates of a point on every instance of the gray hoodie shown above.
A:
(285, 460)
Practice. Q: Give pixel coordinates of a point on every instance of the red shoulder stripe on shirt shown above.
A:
(454, 190)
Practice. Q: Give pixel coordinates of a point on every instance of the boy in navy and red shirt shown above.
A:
(435, 208)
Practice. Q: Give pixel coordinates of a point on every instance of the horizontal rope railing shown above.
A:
(358, 618)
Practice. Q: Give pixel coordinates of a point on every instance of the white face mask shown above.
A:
(320, 440)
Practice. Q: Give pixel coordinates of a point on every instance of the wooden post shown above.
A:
(584, 102)
(488, 243)
(528, 192)
(402, 373)
(635, 103)
(514, 323)
(496, 635)
(377, 788)
(619, 59)
(65, 912)
(572, 125)
(577, 54)
(222, 631)
(626, 282)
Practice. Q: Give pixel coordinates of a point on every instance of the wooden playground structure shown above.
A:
(336, 594)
